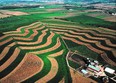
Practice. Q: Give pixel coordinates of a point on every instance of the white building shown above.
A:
(109, 70)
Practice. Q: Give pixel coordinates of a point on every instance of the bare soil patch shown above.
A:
(8, 12)
(78, 78)
(30, 65)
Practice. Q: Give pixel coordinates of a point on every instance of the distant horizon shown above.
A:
(65, 1)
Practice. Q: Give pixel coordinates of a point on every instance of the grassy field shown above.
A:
(91, 21)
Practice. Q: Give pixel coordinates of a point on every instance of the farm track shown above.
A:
(24, 51)
(91, 38)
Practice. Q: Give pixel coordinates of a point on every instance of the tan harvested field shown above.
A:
(4, 52)
(33, 25)
(74, 27)
(52, 73)
(18, 33)
(28, 39)
(3, 42)
(78, 78)
(4, 16)
(16, 13)
(111, 18)
(56, 46)
(30, 65)
(10, 60)
(39, 40)
(86, 31)
(49, 41)
(57, 54)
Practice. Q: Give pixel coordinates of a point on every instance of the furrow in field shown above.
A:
(4, 52)
(98, 44)
(27, 31)
(4, 36)
(10, 60)
(5, 41)
(110, 43)
(84, 31)
(58, 44)
(49, 41)
(96, 38)
(33, 25)
(27, 39)
(82, 43)
(40, 38)
(52, 72)
(90, 47)
(81, 38)
(35, 32)
(105, 57)
(88, 36)
(29, 66)
(105, 31)
(57, 54)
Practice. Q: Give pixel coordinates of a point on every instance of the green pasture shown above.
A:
(91, 21)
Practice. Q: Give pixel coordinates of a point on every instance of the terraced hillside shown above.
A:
(96, 43)
(33, 53)
(37, 52)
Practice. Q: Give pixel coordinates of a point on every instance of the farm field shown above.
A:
(35, 42)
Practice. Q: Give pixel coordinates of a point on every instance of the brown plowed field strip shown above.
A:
(82, 43)
(87, 35)
(90, 41)
(27, 32)
(78, 78)
(52, 73)
(28, 26)
(12, 44)
(40, 38)
(106, 31)
(4, 52)
(85, 31)
(91, 48)
(49, 41)
(58, 44)
(3, 42)
(57, 54)
(30, 65)
(105, 57)
(81, 38)
(10, 60)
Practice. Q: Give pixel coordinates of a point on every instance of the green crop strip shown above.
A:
(44, 71)
(8, 55)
